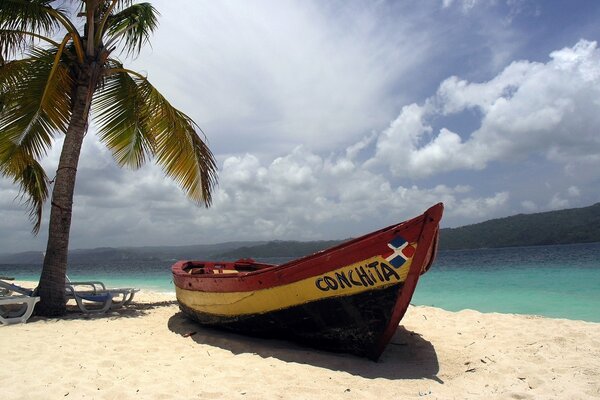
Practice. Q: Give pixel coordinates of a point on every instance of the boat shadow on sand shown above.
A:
(408, 356)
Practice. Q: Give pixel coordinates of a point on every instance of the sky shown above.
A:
(330, 119)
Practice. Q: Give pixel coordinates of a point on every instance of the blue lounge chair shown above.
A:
(95, 297)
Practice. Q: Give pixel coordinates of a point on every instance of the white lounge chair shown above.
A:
(95, 297)
(15, 308)
(9, 314)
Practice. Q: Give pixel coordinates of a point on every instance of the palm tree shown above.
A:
(58, 77)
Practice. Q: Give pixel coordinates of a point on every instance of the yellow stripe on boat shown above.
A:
(369, 274)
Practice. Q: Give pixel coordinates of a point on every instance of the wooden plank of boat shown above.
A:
(349, 298)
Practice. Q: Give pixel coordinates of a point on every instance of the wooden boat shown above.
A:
(349, 298)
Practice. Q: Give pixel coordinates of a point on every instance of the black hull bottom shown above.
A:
(350, 324)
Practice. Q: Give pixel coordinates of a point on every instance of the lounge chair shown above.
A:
(8, 288)
(15, 308)
(95, 297)
(11, 315)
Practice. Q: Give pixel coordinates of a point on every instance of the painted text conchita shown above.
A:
(364, 275)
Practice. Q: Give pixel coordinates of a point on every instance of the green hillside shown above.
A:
(575, 225)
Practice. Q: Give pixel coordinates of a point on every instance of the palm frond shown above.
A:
(23, 18)
(122, 4)
(11, 40)
(182, 154)
(120, 115)
(34, 106)
(131, 27)
(11, 73)
(151, 125)
(27, 15)
(32, 180)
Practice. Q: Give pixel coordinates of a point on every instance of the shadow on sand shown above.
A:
(408, 356)
(133, 310)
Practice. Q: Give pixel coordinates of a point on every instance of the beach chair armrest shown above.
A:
(125, 294)
(101, 300)
(96, 286)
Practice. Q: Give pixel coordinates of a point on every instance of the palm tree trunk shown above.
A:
(51, 287)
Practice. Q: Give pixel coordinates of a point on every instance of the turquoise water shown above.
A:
(553, 281)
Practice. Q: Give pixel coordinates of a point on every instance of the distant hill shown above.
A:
(28, 257)
(111, 255)
(575, 225)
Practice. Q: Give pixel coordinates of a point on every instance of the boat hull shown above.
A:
(349, 298)
(350, 324)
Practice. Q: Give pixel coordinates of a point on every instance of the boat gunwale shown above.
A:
(243, 276)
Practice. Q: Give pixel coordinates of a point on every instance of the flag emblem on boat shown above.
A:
(401, 251)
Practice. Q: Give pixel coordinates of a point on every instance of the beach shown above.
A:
(149, 350)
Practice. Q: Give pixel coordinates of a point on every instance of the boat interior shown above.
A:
(235, 267)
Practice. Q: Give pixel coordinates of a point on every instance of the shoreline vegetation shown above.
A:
(433, 354)
(569, 226)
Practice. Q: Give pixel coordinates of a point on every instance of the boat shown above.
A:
(349, 298)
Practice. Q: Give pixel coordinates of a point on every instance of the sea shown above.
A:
(553, 281)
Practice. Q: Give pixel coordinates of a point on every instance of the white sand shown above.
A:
(144, 352)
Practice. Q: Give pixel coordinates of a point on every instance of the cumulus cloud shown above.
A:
(563, 199)
(304, 195)
(557, 202)
(465, 5)
(529, 206)
(529, 108)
